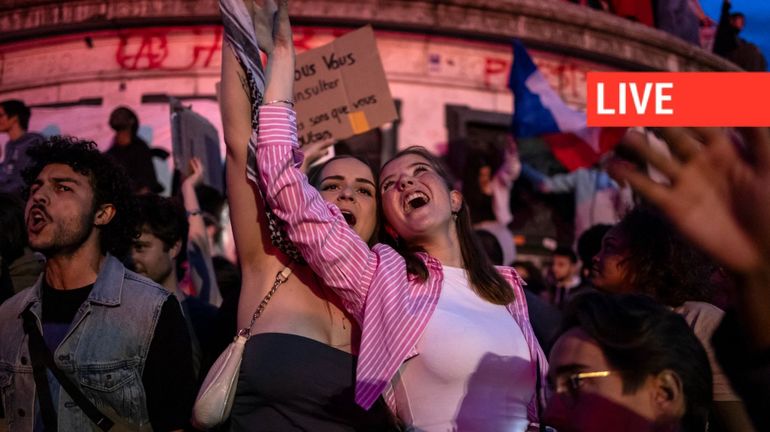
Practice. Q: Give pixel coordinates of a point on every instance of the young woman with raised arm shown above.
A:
(298, 365)
(445, 335)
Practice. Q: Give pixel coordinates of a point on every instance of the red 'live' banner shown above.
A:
(678, 99)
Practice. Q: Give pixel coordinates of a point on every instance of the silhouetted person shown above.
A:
(19, 266)
(729, 45)
(132, 152)
(14, 121)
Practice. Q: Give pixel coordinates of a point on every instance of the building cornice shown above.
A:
(551, 25)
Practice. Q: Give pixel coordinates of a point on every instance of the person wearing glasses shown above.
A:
(626, 363)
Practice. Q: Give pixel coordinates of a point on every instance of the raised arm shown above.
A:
(720, 199)
(511, 168)
(333, 250)
(198, 248)
(257, 257)
(721, 202)
(725, 38)
(314, 152)
(245, 209)
(559, 183)
(502, 183)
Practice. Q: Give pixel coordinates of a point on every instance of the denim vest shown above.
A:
(103, 353)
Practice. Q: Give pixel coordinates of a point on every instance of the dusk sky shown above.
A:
(757, 13)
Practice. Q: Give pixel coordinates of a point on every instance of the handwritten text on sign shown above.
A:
(341, 89)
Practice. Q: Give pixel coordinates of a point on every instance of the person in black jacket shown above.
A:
(132, 152)
(729, 45)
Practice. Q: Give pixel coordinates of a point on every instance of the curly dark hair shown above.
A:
(108, 180)
(639, 338)
(590, 243)
(661, 263)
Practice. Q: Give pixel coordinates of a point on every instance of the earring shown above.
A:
(393, 234)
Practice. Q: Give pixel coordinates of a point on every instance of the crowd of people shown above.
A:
(687, 20)
(377, 298)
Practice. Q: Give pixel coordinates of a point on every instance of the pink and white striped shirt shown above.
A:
(392, 307)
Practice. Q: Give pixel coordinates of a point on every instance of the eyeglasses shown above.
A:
(570, 384)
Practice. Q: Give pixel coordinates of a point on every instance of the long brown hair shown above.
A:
(484, 278)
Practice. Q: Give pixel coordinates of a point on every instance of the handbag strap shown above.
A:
(538, 397)
(42, 357)
(281, 277)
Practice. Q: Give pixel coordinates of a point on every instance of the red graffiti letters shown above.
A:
(149, 49)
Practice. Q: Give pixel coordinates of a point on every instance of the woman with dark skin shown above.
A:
(644, 254)
(718, 197)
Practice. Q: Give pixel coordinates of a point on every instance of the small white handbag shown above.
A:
(215, 398)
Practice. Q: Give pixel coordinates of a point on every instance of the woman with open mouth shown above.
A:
(299, 362)
(445, 335)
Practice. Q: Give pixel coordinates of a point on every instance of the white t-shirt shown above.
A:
(473, 371)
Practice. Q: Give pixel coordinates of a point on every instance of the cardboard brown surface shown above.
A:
(341, 89)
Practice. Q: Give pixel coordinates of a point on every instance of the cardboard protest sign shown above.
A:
(340, 89)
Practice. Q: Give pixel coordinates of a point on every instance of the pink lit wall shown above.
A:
(123, 67)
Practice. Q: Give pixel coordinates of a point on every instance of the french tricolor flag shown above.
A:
(538, 111)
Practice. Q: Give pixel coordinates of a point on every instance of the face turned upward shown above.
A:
(349, 184)
(609, 269)
(152, 258)
(60, 213)
(416, 200)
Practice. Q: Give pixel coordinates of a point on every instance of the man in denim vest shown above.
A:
(117, 336)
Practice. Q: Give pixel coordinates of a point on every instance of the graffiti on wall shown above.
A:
(150, 50)
(120, 67)
(153, 49)
(197, 49)
(489, 68)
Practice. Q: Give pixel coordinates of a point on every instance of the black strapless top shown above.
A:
(293, 383)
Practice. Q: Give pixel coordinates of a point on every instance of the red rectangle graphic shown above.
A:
(678, 99)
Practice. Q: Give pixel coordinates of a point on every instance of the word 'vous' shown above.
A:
(640, 99)
(331, 62)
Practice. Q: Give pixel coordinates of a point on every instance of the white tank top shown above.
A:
(473, 371)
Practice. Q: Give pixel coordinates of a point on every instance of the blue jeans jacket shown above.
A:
(103, 353)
